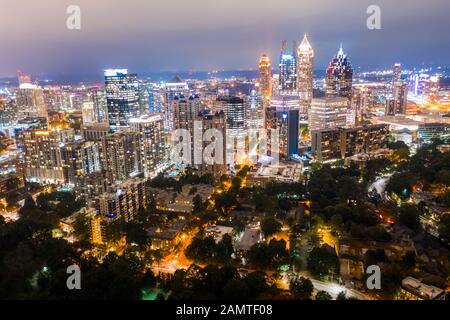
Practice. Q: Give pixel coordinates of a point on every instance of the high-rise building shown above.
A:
(122, 201)
(30, 101)
(282, 117)
(397, 73)
(265, 77)
(339, 77)
(397, 104)
(213, 121)
(288, 72)
(254, 111)
(79, 158)
(305, 73)
(234, 110)
(118, 155)
(185, 111)
(341, 143)
(168, 91)
(151, 143)
(100, 105)
(94, 131)
(122, 96)
(41, 154)
(88, 112)
(328, 113)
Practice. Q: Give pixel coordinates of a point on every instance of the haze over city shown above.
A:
(153, 36)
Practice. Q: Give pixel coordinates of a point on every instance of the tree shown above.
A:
(323, 261)
(28, 206)
(236, 289)
(410, 216)
(301, 288)
(323, 295)
(135, 233)
(270, 226)
(444, 227)
(198, 203)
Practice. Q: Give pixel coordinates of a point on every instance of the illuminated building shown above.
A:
(88, 112)
(283, 115)
(254, 111)
(122, 97)
(42, 156)
(122, 201)
(305, 73)
(328, 113)
(94, 131)
(397, 73)
(234, 110)
(339, 77)
(79, 158)
(168, 91)
(185, 111)
(397, 104)
(100, 105)
(414, 289)
(341, 143)
(213, 122)
(288, 72)
(30, 101)
(151, 142)
(118, 155)
(265, 77)
(434, 131)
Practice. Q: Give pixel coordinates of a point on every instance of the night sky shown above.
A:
(169, 35)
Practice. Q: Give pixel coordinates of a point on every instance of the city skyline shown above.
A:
(155, 37)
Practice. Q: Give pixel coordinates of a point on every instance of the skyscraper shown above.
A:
(265, 75)
(168, 91)
(305, 67)
(151, 141)
(122, 96)
(254, 111)
(397, 73)
(30, 101)
(288, 72)
(41, 152)
(88, 112)
(339, 76)
(118, 155)
(185, 111)
(328, 113)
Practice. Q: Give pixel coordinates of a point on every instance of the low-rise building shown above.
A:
(414, 289)
(167, 237)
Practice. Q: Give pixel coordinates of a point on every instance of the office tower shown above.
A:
(100, 105)
(79, 158)
(397, 73)
(30, 101)
(94, 131)
(118, 155)
(215, 121)
(283, 115)
(233, 107)
(265, 77)
(42, 155)
(288, 72)
(397, 104)
(431, 90)
(88, 112)
(254, 111)
(169, 90)
(185, 111)
(151, 143)
(122, 201)
(305, 73)
(339, 77)
(122, 97)
(328, 113)
(342, 143)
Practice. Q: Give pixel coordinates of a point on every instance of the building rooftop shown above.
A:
(421, 289)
